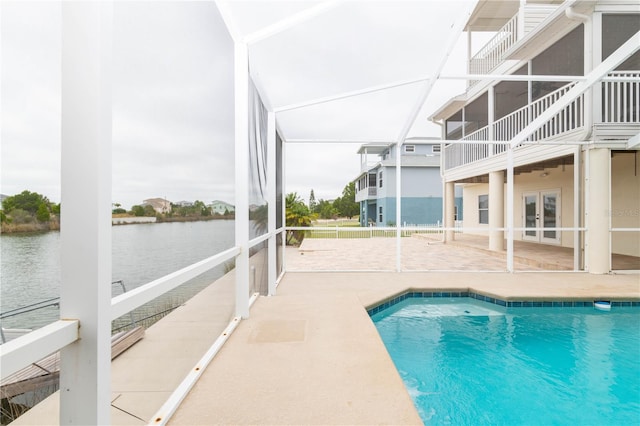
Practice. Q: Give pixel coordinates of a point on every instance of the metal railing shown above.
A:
(27, 349)
(571, 118)
(492, 54)
(621, 99)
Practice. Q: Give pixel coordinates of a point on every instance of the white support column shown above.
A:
(85, 292)
(399, 206)
(449, 210)
(520, 23)
(598, 212)
(271, 194)
(576, 208)
(284, 204)
(510, 201)
(241, 93)
(496, 210)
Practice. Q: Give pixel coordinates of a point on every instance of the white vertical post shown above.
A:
(599, 213)
(398, 206)
(271, 195)
(241, 93)
(576, 208)
(510, 201)
(520, 23)
(284, 204)
(85, 292)
(496, 210)
(449, 210)
(491, 118)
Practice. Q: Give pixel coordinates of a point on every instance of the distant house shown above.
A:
(160, 205)
(421, 184)
(184, 203)
(220, 207)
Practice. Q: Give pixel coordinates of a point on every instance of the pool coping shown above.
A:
(506, 302)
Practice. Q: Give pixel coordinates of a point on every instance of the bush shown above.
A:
(20, 216)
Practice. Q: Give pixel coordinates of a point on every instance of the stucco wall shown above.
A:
(557, 179)
(625, 202)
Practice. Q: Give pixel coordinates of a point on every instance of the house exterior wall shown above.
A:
(625, 202)
(558, 179)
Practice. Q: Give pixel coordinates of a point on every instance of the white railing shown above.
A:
(492, 54)
(30, 348)
(571, 118)
(621, 99)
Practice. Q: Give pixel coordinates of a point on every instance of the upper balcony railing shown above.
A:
(493, 52)
(571, 118)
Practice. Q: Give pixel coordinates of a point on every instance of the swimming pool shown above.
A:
(466, 362)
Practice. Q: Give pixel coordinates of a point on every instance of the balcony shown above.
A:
(620, 110)
(367, 194)
(496, 50)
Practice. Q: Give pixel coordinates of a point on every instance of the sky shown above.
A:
(172, 106)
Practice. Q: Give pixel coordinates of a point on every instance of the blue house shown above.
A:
(421, 184)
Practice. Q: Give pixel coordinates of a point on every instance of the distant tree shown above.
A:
(149, 211)
(312, 202)
(4, 218)
(346, 205)
(19, 216)
(43, 214)
(297, 214)
(55, 209)
(26, 200)
(326, 210)
(137, 210)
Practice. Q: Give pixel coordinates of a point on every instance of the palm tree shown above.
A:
(297, 214)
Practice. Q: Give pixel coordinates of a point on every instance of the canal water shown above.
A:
(30, 265)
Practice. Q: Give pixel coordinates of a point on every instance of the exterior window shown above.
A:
(380, 180)
(380, 214)
(483, 209)
(435, 149)
(409, 148)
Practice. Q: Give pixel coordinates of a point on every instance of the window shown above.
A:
(409, 148)
(436, 149)
(483, 209)
(380, 214)
(380, 180)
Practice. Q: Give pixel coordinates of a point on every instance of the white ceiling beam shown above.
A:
(454, 35)
(600, 71)
(289, 22)
(350, 94)
(227, 17)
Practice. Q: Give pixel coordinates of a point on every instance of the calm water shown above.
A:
(30, 263)
(469, 363)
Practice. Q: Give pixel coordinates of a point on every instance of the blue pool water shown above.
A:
(467, 362)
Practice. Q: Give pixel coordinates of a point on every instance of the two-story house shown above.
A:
(548, 131)
(421, 184)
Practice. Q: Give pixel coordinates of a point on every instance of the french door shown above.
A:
(541, 210)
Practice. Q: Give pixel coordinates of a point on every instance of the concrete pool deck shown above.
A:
(309, 355)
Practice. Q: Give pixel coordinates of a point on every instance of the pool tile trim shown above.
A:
(387, 303)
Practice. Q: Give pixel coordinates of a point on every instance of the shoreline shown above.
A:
(26, 228)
